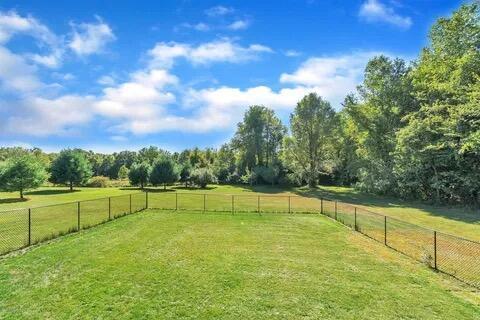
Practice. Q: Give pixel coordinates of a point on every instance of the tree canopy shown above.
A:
(71, 167)
(22, 172)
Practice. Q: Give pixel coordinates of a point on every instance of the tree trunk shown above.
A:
(186, 184)
(164, 186)
(71, 186)
(141, 185)
(21, 193)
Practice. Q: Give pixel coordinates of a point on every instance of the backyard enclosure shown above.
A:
(452, 255)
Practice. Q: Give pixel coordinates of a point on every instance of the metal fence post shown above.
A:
(146, 199)
(355, 223)
(78, 215)
(233, 204)
(289, 211)
(335, 209)
(29, 226)
(321, 205)
(435, 250)
(176, 201)
(130, 203)
(204, 202)
(385, 229)
(258, 204)
(109, 208)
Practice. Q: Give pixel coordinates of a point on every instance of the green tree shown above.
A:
(437, 156)
(224, 164)
(71, 168)
(123, 172)
(139, 174)
(310, 145)
(186, 173)
(22, 172)
(375, 116)
(164, 171)
(258, 137)
(203, 176)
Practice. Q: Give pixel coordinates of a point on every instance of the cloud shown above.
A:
(12, 24)
(201, 26)
(37, 116)
(165, 53)
(239, 25)
(218, 11)
(90, 38)
(16, 74)
(331, 76)
(292, 53)
(106, 80)
(375, 11)
(137, 101)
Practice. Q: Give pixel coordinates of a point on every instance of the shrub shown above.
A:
(203, 176)
(99, 182)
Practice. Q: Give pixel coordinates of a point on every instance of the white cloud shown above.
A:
(224, 50)
(239, 25)
(106, 80)
(43, 117)
(11, 24)
(375, 11)
(16, 74)
(218, 11)
(90, 38)
(137, 101)
(331, 76)
(292, 53)
(201, 26)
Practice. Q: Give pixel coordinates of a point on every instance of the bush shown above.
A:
(203, 176)
(99, 182)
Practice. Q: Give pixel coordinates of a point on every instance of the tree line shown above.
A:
(411, 129)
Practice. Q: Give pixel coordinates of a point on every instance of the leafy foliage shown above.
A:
(312, 124)
(203, 176)
(139, 174)
(71, 167)
(22, 172)
(164, 171)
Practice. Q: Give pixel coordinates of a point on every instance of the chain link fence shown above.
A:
(449, 254)
(23, 227)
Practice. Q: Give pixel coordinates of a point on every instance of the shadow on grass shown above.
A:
(352, 196)
(159, 190)
(183, 188)
(50, 192)
(265, 188)
(13, 200)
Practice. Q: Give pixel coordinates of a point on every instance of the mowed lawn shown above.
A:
(161, 264)
(455, 220)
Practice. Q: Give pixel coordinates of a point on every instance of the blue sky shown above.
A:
(116, 75)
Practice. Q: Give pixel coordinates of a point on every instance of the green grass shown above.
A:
(159, 264)
(46, 196)
(454, 220)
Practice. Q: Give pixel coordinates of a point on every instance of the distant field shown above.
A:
(455, 220)
(160, 264)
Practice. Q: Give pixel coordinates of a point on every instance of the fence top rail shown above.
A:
(65, 203)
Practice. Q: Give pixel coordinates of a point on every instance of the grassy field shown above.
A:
(454, 220)
(189, 265)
